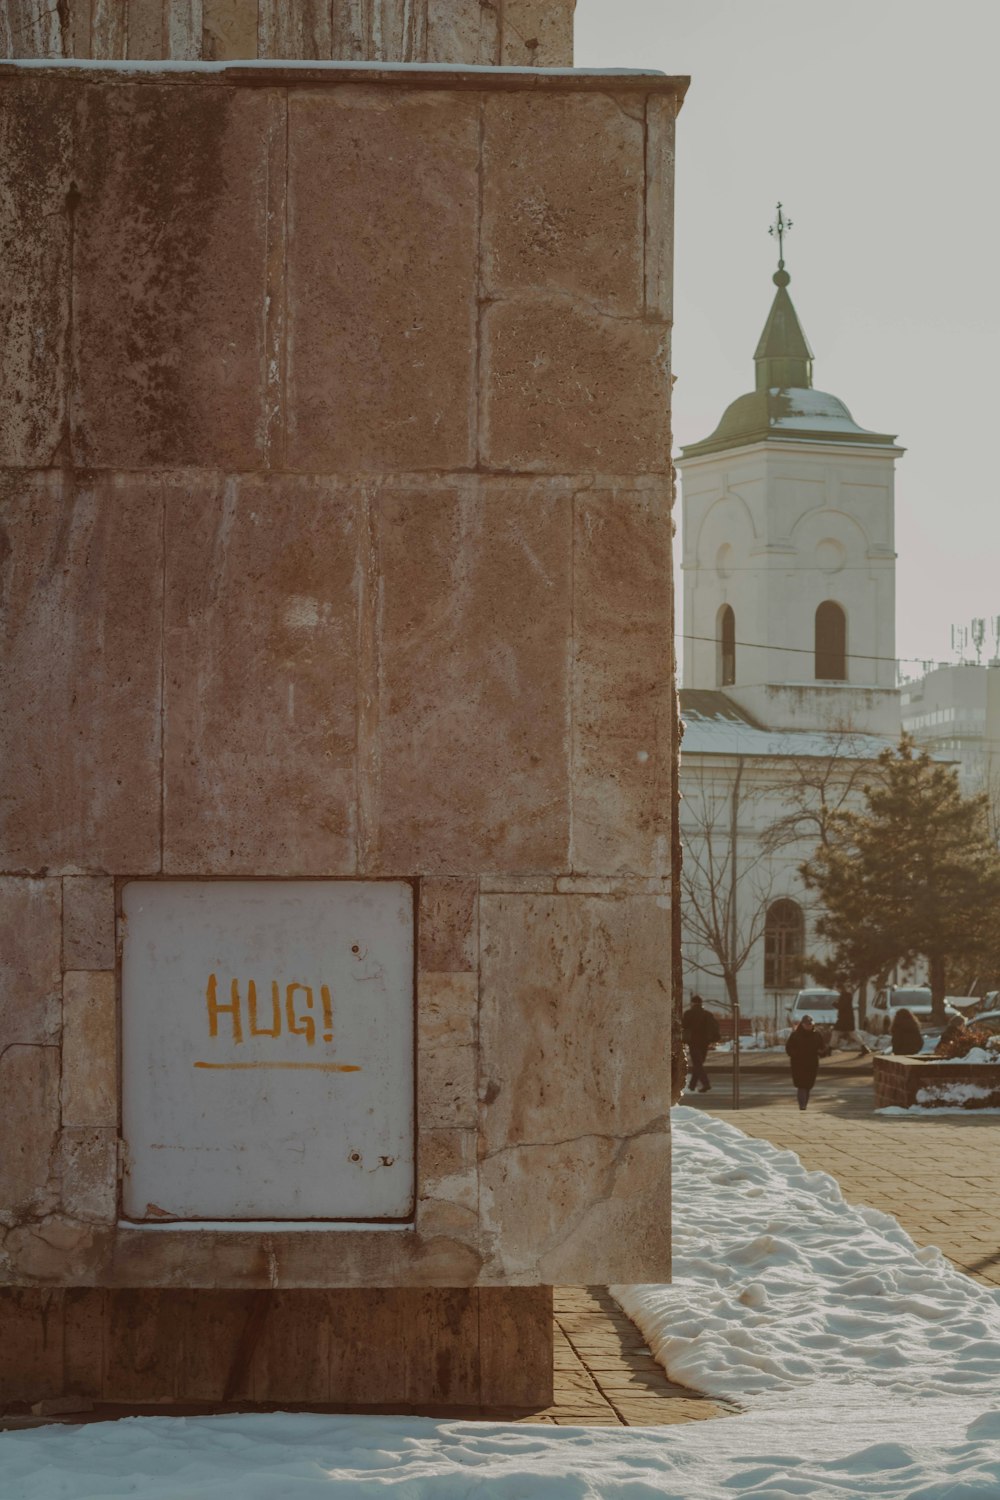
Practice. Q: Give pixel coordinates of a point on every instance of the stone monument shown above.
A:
(337, 721)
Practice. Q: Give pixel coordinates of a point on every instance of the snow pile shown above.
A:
(953, 1093)
(974, 1055)
(781, 1284)
(945, 1454)
(870, 1368)
(943, 1109)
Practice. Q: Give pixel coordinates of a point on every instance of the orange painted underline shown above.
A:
(319, 1067)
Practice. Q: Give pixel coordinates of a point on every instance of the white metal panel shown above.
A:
(267, 1049)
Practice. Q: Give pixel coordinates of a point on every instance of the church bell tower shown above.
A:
(789, 549)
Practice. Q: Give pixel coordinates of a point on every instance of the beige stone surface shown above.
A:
(90, 1050)
(383, 209)
(229, 29)
(385, 30)
(448, 927)
(446, 1087)
(297, 28)
(448, 1168)
(473, 675)
(55, 1251)
(380, 30)
(565, 389)
(80, 650)
(447, 1006)
(447, 1009)
(88, 922)
(29, 1129)
(28, 29)
(87, 1166)
(448, 1187)
(36, 127)
(575, 1088)
(260, 678)
(463, 31)
(543, 1226)
(108, 29)
(145, 30)
(623, 702)
(169, 265)
(30, 971)
(301, 629)
(564, 198)
(660, 135)
(537, 33)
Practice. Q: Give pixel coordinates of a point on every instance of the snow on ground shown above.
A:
(869, 1367)
(933, 1109)
(780, 1284)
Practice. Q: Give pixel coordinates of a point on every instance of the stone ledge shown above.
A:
(898, 1080)
(286, 73)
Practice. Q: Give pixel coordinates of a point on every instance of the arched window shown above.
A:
(784, 945)
(727, 646)
(831, 643)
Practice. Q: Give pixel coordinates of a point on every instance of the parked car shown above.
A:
(818, 1003)
(916, 998)
(989, 1020)
(968, 1004)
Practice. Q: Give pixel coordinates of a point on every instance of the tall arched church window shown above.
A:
(831, 643)
(784, 945)
(727, 646)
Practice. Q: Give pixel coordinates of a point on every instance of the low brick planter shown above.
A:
(916, 1081)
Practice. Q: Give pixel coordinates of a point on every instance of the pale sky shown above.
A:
(877, 124)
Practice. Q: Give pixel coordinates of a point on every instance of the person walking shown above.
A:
(805, 1048)
(845, 1028)
(700, 1030)
(907, 1038)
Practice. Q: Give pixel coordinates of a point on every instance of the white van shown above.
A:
(820, 1004)
(916, 998)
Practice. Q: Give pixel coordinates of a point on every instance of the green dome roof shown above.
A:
(784, 405)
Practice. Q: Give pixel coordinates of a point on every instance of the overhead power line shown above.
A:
(922, 661)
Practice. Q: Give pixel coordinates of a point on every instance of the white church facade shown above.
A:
(789, 671)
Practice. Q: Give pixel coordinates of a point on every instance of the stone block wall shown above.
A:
(335, 543)
(511, 33)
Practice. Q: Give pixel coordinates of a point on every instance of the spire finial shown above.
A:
(780, 227)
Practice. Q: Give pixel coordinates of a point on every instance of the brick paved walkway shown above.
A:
(938, 1175)
(605, 1376)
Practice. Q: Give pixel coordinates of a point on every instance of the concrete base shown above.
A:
(398, 1348)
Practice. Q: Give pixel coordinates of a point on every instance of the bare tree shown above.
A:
(817, 789)
(725, 879)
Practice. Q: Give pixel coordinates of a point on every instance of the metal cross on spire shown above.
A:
(780, 227)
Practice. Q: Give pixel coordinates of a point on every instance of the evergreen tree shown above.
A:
(913, 875)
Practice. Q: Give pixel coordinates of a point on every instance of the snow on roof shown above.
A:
(715, 725)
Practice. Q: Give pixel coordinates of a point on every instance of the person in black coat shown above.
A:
(907, 1038)
(845, 1027)
(700, 1029)
(805, 1048)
